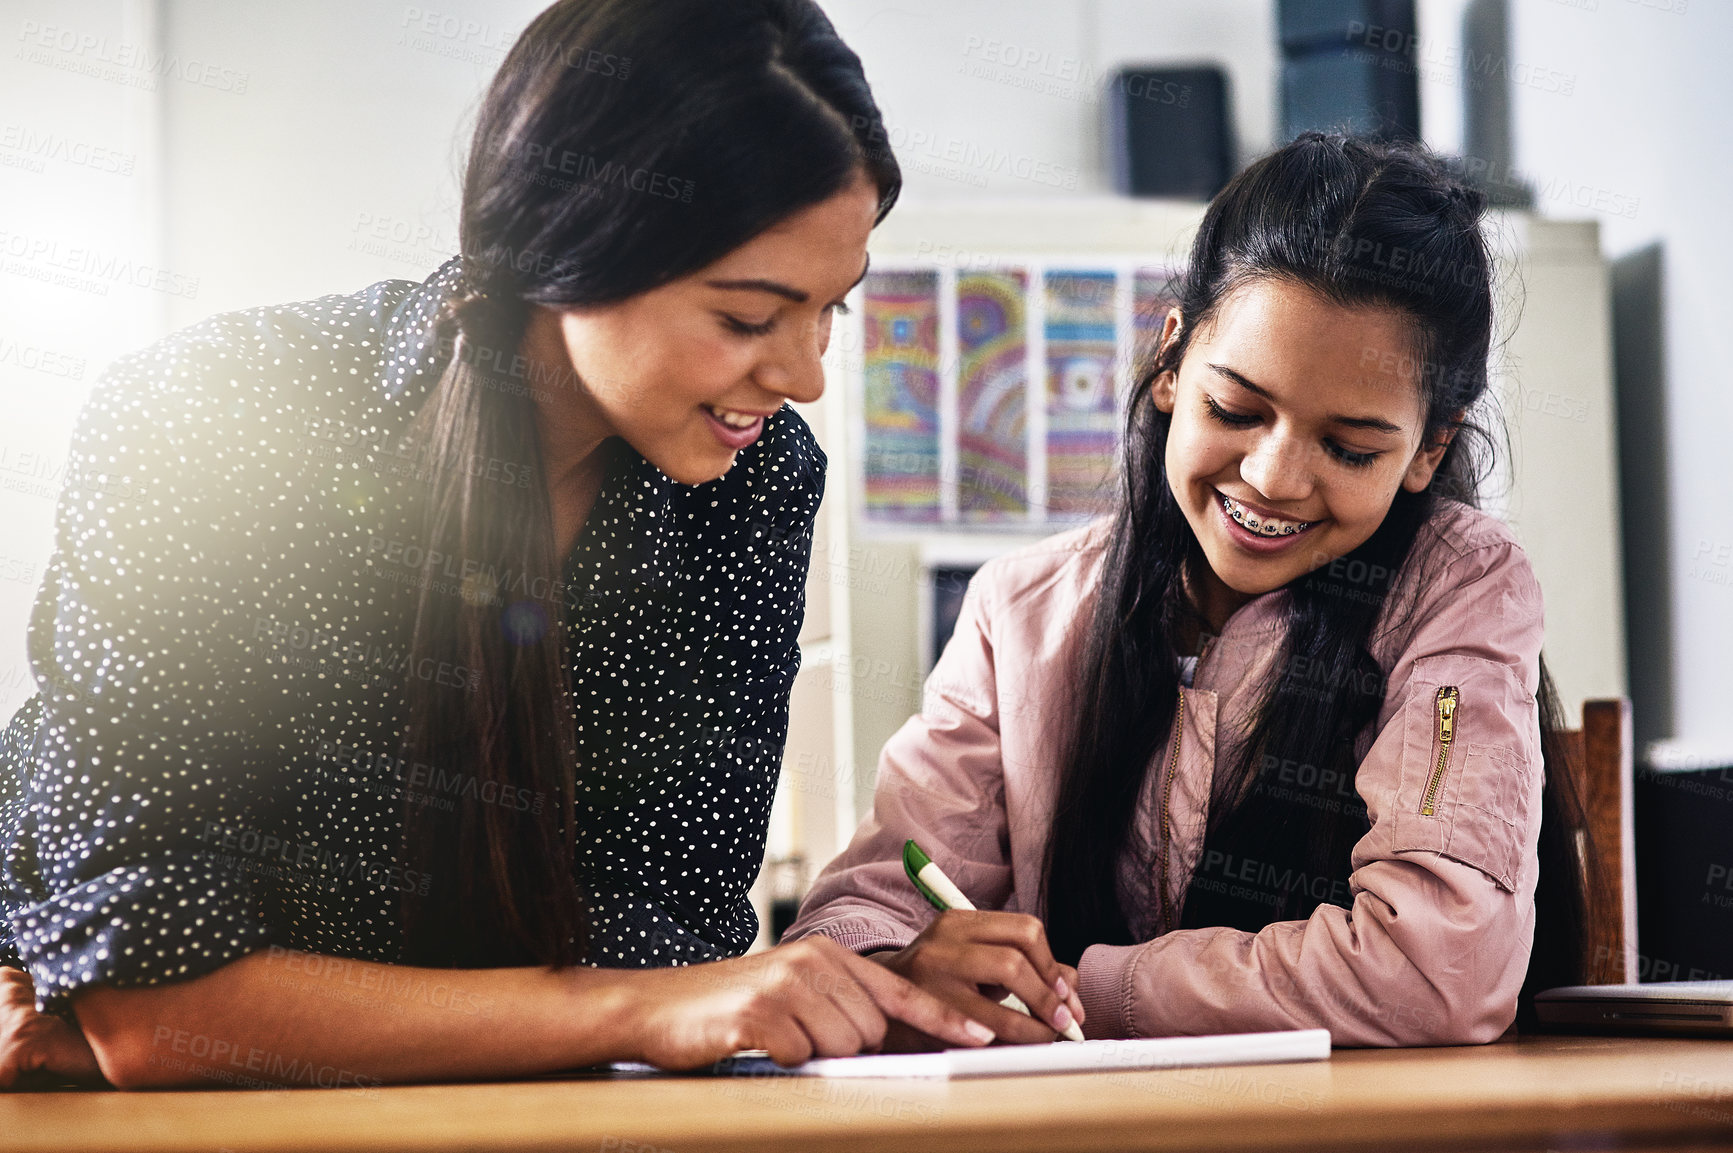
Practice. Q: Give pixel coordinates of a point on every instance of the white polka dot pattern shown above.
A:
(210, 763)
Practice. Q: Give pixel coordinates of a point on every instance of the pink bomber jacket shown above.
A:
(1435, 945)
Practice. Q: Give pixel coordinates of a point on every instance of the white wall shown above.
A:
(1001, 97)
(79, 256)
(340, 164)
(1645, 134)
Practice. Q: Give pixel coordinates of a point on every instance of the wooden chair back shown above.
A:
(1603, 764)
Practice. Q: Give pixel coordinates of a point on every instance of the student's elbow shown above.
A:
(1421, 1009)
(1475, 1001)
(1474, 1020)
(1490, 963)
(1452, 949)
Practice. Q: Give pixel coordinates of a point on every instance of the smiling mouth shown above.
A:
(734, 418)
(1261, 525)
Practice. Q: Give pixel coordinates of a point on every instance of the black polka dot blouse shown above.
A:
(211, 762)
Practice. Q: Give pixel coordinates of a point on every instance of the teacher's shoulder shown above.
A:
(240, 373)
(779, 478)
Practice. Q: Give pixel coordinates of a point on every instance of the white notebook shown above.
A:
(1058, 1057)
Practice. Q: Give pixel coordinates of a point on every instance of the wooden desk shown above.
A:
(1539, 1093)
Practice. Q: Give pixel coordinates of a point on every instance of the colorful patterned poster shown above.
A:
(1153, 293)
(1082, 416)
(902, 395)
(992, 388)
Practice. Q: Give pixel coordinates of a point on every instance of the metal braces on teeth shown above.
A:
(1285, 530)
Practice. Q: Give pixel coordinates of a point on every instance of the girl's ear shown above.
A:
(1165, 388)
(1427, 459)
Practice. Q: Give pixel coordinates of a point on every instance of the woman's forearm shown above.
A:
(281, 1016)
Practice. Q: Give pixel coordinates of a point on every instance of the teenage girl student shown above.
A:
(1263, 750)
(413, 665)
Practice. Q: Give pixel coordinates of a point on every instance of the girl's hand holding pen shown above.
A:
(970, 959)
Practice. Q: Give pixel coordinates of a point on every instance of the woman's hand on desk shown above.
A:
(812, 998)
(279, 1010)
(971, 958)
(32, 1042)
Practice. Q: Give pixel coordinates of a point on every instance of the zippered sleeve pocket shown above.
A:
(1467, 782)
(1444, 735)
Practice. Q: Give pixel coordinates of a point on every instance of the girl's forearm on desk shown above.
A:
(280, 1015)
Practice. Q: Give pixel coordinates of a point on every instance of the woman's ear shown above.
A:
(1165, 388)
(1428, 457)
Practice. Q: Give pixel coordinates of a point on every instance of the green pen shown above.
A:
(942, 893)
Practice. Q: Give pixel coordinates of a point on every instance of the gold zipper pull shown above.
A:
(1445, 734)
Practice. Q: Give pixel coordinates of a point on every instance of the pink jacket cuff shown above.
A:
(1104, 986)
(859, 934)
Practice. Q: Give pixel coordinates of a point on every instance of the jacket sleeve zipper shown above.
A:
(1167, 915)
(1445, 735)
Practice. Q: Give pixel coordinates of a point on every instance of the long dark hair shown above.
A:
(622, 144)
(1364, 223)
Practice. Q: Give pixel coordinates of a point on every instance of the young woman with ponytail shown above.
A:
(413, 665)
(1264, 749)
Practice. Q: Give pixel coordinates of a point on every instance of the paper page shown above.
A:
(1060, 1057)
